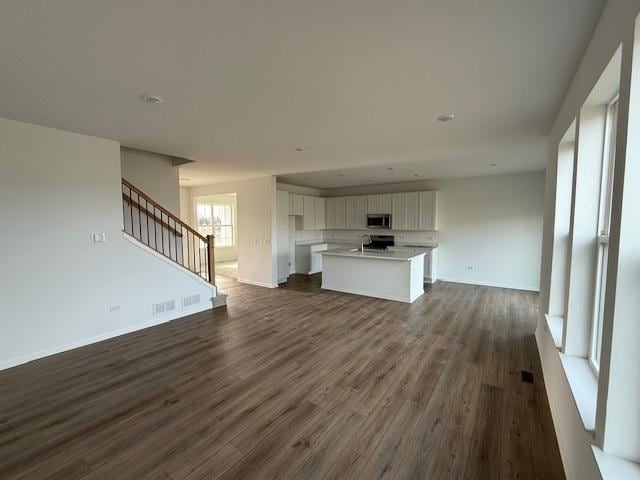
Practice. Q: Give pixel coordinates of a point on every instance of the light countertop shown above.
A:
(373, 254)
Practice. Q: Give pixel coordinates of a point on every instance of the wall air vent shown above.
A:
(190, 300)
(164, 307)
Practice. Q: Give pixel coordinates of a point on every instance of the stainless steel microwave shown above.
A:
(379, 220)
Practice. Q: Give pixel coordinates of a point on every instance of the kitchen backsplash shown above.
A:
(400, 236)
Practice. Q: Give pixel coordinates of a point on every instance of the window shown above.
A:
(218, 220)
(604, 222)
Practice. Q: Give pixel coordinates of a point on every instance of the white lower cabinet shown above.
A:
(430, 261)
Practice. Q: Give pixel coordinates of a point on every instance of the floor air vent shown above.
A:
(527, 377)
(190, 300)
(164, 307)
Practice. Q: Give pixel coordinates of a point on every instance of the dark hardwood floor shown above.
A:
(294, 383)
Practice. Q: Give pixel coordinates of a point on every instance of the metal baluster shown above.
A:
(131, 209)
(155, 233)
(175, 239)
(161, 233)
(146, 214)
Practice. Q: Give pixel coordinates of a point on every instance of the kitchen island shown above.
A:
(391, 275)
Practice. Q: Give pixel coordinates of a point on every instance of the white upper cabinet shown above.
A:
(308, 213)
(296, 202)
(319, 204)
(379, 203)
(409, 210)
(412, 210)
(398, 210)
(357, 212)
(427, 219)
(336, 213)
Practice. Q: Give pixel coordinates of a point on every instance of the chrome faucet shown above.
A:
(362, 238)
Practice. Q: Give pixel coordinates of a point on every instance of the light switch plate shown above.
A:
(99, 237)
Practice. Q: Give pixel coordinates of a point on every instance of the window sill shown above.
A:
(555, 326)
(584, 387)
(615, 468)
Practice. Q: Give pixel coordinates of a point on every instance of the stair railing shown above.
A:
(157, 228)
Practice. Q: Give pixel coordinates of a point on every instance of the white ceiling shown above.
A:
(356, 82)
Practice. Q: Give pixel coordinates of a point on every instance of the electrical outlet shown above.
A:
(469, 267)
(114, 308)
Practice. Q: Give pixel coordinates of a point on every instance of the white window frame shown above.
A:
(602, 237)
(209, 229)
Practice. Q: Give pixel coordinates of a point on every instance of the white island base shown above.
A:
(395, 276)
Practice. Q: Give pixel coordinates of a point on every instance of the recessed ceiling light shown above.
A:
(341, 174)
(448, 117)
(390, 168)
(493, 164)
(299, 149)
(416, 174)
(151, 99)
(185, 179)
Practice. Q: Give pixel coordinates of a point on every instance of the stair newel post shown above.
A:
(211, 259)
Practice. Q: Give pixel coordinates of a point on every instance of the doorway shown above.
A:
(218, 215)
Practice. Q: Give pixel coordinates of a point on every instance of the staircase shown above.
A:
(157, 228)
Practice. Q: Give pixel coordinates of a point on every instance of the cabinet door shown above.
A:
(341, 212)
(412, 210)
(373, 204)
(290, 202)
(379, 203)
(361, 212)
(398, 209)
(427, 211)
(331, 208)
(352, 214)
(309, 213)
(297, 204)
(319, 204)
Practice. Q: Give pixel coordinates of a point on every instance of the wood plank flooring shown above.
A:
(294, 383)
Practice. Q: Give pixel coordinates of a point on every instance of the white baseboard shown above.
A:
(382, 296)
(14, 362)
(258, 284)
(529, 288)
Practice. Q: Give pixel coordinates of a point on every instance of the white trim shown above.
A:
(583, 383)
(615, 468)
(489, 284)
(256, 283)
(553, 406)
(13, 362)
(555, 325)
(377, 295)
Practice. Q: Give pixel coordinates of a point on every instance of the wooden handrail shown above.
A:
(163, 210)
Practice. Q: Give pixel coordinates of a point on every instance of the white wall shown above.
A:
(256, 232)
(57, 287)
(615, 26)
(492, 223)
(154, 174)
